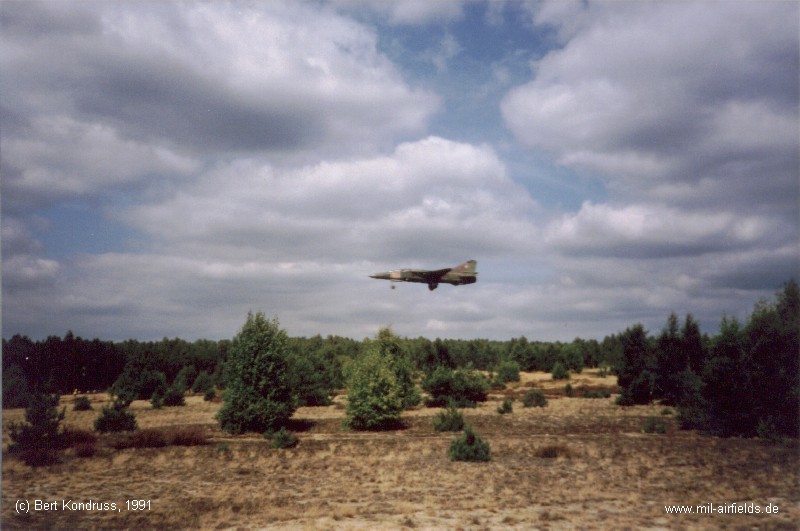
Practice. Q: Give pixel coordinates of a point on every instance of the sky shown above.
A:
(167, 167)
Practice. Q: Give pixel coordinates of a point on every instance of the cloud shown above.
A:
(653, 231)
(106, 95)
(641, 93)
(434, 198)
(23, 266)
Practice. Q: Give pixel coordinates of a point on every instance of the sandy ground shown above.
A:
(609, 475)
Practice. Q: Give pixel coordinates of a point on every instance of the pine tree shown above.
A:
(671, 361)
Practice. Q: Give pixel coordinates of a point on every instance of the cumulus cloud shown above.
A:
(644, 93)
(689, 115)
(108, 94)
(652, 231)
(434, 198)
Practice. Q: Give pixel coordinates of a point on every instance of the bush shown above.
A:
(449, 420)
(560, 372)
(72, 437)
(639, 391)
(115, 418)
(173, 396)
(284, 439)
(462, 386)
(85, 449)
(258, 397)
(506, 407)
(148, 438)
(157, 400)
(654, 425)
(203, 383)
(82, 404)
(38, 439)
(137, 384)
(568, 390)
(469, 447)
(160, 438)
(601, 393)
(534, 398)
(508, 371)
(553, 452)
(375, 398)
(187, 437)
(210, 395)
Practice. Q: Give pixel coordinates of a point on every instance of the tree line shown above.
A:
(743, 381)
(69, 364)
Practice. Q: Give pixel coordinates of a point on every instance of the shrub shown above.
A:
(506, 407)
(284, 439)
(560, 372)
(203, 383)
(136, 383)
(553, 452)
(38, 439)
(568, 390)
(508, 371)
(375, 398)
(115, 418)
(462, 386)
(496, 384)
(534, 398)
(654, 425)
(449, 420)
(157, 400)
(210, 395)
(258, 396)
(600, 393)
(173, 396)
(148, 438)
(639, 391)
(469, 447)
(82, 404)
(87, 449)
(187, 437)
(72, 437)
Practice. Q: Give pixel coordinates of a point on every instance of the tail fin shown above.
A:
(467, 267)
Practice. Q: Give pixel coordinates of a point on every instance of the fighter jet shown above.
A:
(461, 274)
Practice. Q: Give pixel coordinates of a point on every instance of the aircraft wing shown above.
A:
(432, 276)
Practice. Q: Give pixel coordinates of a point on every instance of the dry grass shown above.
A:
(575, 463)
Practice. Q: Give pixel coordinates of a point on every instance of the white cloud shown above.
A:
(129, 90)
(433, 197)
(642, 93)
(652, 231)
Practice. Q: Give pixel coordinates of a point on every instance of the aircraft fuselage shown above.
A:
(459, 275)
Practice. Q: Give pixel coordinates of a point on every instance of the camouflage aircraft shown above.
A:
(461, 274)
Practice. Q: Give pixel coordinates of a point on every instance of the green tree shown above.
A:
(635, 376)
(375, 398)
(693, 344)
(773, 337)
(258, 396)
(671, 361)
(39, 439)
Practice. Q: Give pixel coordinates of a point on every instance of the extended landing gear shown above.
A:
(432, 285)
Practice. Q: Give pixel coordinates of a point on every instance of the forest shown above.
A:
(745, 380)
